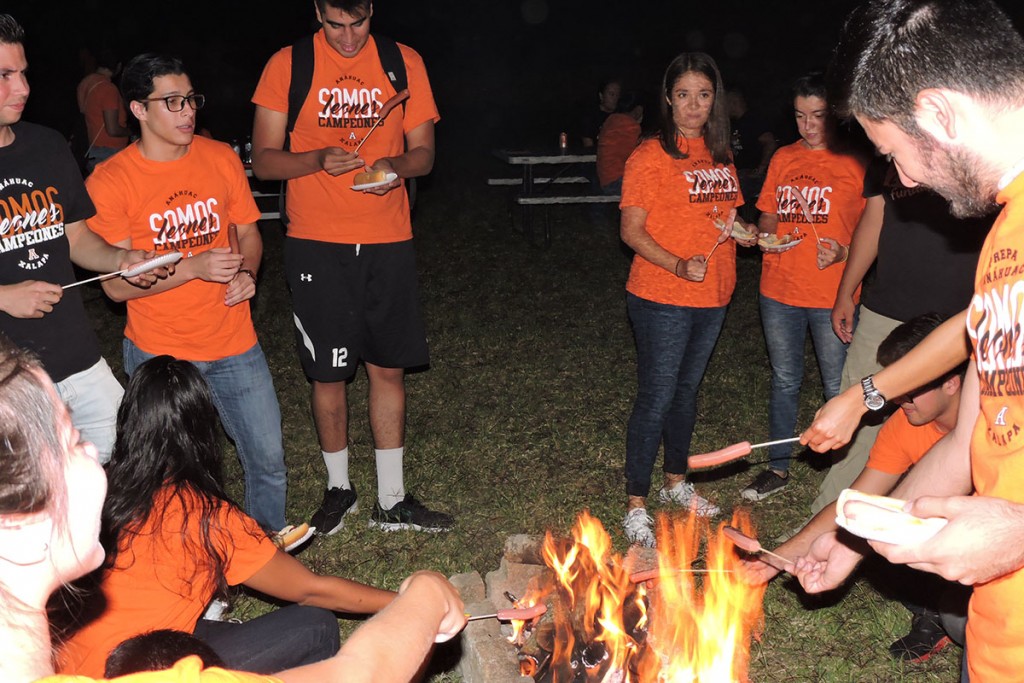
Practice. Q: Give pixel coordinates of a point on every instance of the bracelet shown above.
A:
(249, 273)
(846, 254)
(676, 269)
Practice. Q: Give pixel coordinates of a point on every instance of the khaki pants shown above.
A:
(872, 329)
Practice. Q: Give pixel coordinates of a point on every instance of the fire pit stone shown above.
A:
(487, 656)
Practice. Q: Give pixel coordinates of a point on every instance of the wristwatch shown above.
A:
(873, 398)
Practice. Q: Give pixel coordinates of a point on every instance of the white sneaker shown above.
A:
(639, 528)
(216, 610)
(685, 495)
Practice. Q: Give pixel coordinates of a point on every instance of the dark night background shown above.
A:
(504, 72)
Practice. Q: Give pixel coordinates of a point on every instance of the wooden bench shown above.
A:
(569, 199)
(528, 202)
(561, 180)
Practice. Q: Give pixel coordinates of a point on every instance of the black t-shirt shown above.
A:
(41, 190)
(590, 124)
(926, 257)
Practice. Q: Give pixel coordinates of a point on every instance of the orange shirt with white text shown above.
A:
(183, 205)
(342, 106)
(832, 184)
(682, 198)
(995, 318)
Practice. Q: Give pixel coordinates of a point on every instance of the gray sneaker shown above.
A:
(685, 495)
(639, 528)
(765, 484)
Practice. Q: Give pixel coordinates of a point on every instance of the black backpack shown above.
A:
(302, 80)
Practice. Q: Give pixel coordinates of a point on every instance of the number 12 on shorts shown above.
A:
(339, 357)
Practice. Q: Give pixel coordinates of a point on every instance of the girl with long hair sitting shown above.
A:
(174, 541)
(51, 496)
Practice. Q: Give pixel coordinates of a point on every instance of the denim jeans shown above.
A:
(673, 347)
(785, 330)
(243, 393)
(92, 397)
(283, 639)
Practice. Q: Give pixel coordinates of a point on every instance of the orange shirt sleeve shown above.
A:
(900, 445)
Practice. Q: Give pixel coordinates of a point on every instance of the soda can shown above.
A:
(563, 141)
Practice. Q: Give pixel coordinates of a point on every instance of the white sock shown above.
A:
(390, 484)
(337, 469)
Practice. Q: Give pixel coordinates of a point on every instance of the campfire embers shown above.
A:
(602, 627)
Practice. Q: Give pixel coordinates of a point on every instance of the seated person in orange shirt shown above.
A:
(51, 499)
(925, 415)
(619, 137)
(174, 541)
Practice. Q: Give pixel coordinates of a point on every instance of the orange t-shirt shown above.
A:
(995, 622)
(151, 585)
(96, 94)
(342, 106)
(184, 205)
(900, 445)
(617, 140)
(187, 670)
(833, 185)
(682, 197)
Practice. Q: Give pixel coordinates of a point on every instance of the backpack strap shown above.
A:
(391, 60)
(301, 81)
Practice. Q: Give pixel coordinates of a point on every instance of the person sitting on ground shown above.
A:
(812, 197)
(619, 137)
(51, 498)
(925, 415)
(174, 541)
(156, 651)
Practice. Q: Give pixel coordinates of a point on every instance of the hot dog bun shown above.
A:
(368, 177)
(879, 518)
(740, 232)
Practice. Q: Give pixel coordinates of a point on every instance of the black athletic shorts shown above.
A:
(354, 303)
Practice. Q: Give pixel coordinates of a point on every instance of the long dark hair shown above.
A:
(716, 130)
(166, 437)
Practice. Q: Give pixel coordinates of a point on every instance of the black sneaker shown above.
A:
(765, 484)
(926, 637)
(409, 513)
(338, 502)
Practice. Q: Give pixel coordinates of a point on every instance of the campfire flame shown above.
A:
(687, 627)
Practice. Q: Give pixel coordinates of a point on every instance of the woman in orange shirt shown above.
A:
(51, 497)
(812, 196)
(679, 193)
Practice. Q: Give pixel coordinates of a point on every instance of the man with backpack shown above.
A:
(349, 257)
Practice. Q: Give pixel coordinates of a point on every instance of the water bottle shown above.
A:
(247, 151)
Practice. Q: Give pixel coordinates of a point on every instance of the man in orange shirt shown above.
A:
(349, 255)
(175, 191)
(925, 415)
(106, 121)
(939, 86)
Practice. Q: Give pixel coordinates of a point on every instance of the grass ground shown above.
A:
(520, 422)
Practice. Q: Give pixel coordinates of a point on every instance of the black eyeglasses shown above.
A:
(176, 103)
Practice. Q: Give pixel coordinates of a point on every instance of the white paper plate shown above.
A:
(778, 249)
(380, 183)
(883, 519)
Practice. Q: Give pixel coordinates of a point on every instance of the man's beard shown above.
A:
(959, 176)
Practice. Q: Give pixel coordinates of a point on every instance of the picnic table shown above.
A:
(548, 190)
(267, 194)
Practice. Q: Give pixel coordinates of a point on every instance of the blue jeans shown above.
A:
(673, 347)
(92, 397)
(785, 330)
(243, 393)
(283, 639)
